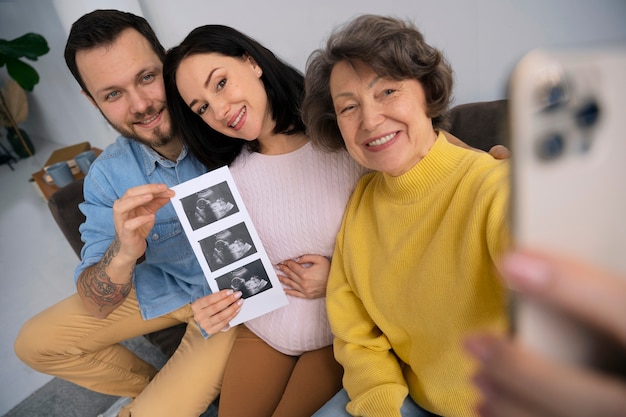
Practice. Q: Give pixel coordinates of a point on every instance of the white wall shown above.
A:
(482, 39)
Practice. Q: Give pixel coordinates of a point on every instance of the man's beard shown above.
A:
(160, 138)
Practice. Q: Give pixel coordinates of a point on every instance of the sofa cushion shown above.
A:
(481, 124)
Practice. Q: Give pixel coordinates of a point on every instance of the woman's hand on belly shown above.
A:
(306, 276)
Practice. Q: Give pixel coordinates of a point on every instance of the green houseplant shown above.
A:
(13, 100)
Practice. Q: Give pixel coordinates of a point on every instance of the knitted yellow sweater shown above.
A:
(412, 274)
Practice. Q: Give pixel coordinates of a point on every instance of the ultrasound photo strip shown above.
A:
(226, 244)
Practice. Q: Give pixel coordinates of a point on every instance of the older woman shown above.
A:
(413, 269)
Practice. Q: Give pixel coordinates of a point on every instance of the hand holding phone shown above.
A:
(568, 141)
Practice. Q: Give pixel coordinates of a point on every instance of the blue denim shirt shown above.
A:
(171, 276)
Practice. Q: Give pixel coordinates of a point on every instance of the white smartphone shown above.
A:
(568, 142)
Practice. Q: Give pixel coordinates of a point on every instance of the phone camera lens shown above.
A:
(551, 146)
(552, 92)
(555, 96)
(588, 114)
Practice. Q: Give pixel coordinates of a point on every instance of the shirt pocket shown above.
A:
(167, 242)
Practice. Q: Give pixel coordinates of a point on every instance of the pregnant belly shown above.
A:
(300, 326)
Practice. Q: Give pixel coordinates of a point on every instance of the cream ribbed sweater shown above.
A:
(296, 202)
(413, 274)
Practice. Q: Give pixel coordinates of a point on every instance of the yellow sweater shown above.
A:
(412, 274)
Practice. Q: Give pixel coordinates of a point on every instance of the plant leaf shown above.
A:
(30, 45)
(24, 74)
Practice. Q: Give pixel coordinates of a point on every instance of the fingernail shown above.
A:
(240, 302)
(525, 272)
(229, 292)
(225, 328)
(479, 347)
(238, 294)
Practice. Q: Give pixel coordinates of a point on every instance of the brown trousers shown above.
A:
(260, 381)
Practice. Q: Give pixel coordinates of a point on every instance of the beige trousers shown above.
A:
(68, 342)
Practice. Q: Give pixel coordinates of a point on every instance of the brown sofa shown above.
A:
(481, 125)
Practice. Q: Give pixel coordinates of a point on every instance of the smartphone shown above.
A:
(567, 120)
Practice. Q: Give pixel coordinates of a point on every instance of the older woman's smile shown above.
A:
(382, 140)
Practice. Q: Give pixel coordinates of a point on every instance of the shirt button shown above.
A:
(155, 236)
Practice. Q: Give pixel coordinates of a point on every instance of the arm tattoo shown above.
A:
(97, 285)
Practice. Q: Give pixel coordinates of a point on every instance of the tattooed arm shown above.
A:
(103, 291)
(105, 285)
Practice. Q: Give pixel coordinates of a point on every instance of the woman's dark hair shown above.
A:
(101, 28)
(393, 49)
(284, 86)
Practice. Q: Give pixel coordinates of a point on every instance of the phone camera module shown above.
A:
(550, 147)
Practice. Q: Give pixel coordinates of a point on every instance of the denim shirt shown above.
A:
(170, 276)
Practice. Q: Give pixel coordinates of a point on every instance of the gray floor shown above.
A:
(60, 398)
(36, 266)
